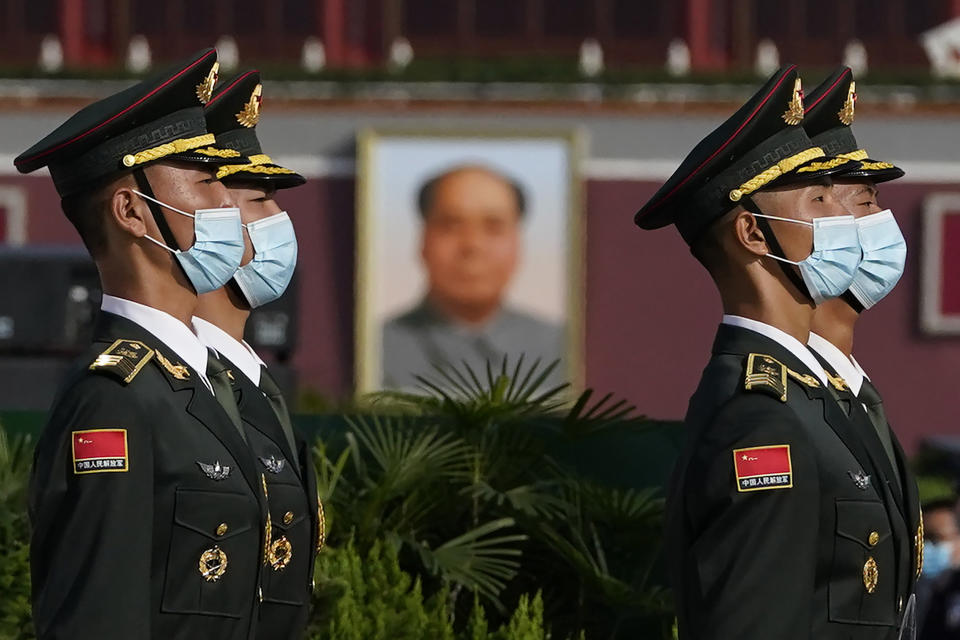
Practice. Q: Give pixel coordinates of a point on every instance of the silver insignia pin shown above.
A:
(215, 471)
(272, 464)
(860, 479)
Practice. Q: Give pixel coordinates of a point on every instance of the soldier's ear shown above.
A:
(747, 234)
(129, 211)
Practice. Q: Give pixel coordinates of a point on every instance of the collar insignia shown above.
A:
(250, 115)
(178, 371)
(846, 113)
(272, 464)
(214, 471)
(860, 479)
(205, 88)
(794, 113)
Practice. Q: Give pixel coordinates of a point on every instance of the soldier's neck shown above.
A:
(835, 320)
(769, 301)
(223, 309)
(173, 296)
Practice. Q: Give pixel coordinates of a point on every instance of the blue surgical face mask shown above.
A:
(937, 558)
(829, 269)
(217, 250)
(884, 254)
(266, 277)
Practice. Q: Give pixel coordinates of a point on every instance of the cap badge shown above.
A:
(794, 113)
(846, 113)
(250, 114)
(205, 88)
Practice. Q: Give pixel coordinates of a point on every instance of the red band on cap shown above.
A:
(228, 87)
(828, 91)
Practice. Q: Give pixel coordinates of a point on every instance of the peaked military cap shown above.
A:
(829, 114)
(232, 114)
(160, 118)
(760, 146)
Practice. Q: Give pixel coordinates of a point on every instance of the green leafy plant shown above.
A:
(463, 479)
(15, 614)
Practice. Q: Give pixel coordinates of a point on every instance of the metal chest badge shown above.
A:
(215, 471)
(280, 553)
(871, 575)
(213, 564)
(273, 464)
(861, 479)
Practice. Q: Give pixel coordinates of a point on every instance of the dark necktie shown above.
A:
(270, 389)
(873, 403)
(219, 379)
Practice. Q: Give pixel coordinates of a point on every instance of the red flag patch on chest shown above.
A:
(100, 450)
(761, 468)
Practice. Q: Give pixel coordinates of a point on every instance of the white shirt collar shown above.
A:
(782, 338)
(165, 328)
(239, 353)
(844, 366)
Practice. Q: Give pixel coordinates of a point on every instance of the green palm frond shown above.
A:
(585, 418)
(476, 559)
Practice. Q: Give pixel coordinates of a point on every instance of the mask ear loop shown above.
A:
(789, 270)
(144, 185)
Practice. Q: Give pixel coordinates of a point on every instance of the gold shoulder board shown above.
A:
(766, 374)
(123, 359)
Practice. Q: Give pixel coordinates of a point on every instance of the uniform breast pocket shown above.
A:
(214, 556)
(863, 586)
(286, 577)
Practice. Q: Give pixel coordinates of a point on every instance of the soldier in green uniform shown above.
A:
(829, 113)
(778, 525)
(255, 400)
(148, 509)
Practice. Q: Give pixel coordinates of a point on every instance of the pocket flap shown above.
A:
(217, 515)
(863, 521)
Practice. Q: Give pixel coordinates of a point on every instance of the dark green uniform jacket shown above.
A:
(148, 509)
(779, 521)
(283, 456)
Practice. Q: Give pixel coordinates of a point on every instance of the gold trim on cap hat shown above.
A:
(250, 115)
(205, 88)
(846, 112)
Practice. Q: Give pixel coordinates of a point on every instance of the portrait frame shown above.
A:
(367, 317)
(941, 231)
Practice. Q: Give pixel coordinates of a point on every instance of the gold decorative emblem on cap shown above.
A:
(846, 112)
(794, 113)
(178, 371)
(213, 564)
(871, 575)
(280, 554)
(873, 538)
(129, 160)
(205, 88)
(250, 115)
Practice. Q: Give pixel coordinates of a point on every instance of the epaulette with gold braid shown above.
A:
(123, 359)
(766, 374)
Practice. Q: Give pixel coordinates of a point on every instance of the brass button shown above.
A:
(873, 539)
(288, 517)
(129, 160)
(900, 604)
(222, 529)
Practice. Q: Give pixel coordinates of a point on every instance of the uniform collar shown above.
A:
(165, 328)
(239, 353)
(785, 340)
(845, 367)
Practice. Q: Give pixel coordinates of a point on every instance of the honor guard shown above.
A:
(148, 509)
(252, 396)
(829, 115)
(778, 523)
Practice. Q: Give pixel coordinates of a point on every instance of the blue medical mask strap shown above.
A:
(790, 270)
(144, 185)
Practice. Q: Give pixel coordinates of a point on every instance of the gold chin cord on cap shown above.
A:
(767, 176)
